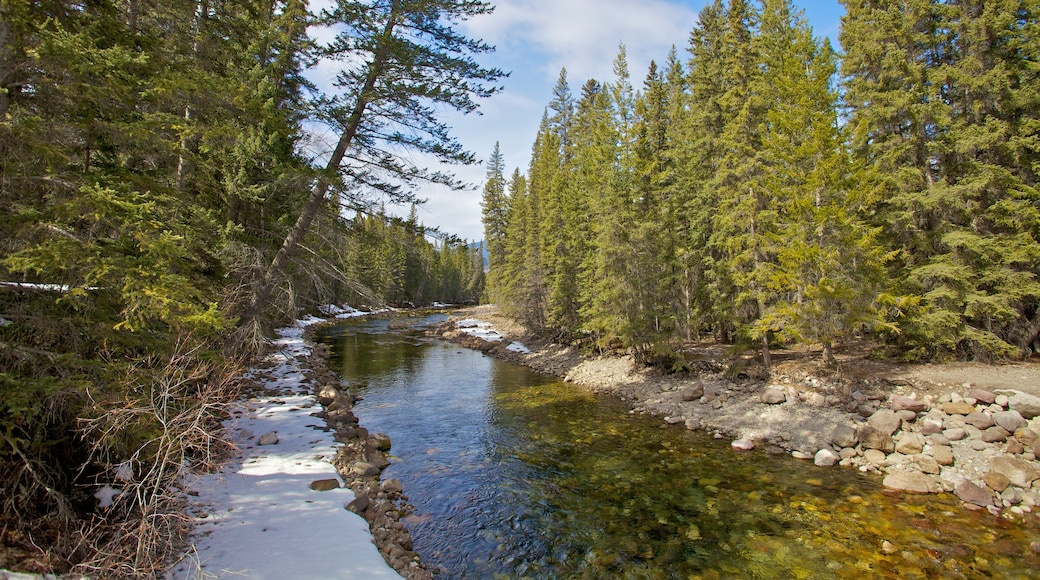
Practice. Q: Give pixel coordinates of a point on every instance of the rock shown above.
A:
(906, 417)
(960, 408)
(996, 481)
(825, 458)
(955, 434)
(359, 505)
(380, 441)
(1001, 401)
(930, 426)
(1027, 405)
(927, 464)
(982, 395)
(743, 445)
(938, 439)
(888, 547)
(392, 487)
(844, 436)
(327, 394)
(848, 453)
(693, 393)
(773, 396)
(885, 421)
(693, 424)
(1018, 471)
(1010, 496)
(674, 420)
(325, 484)
(995, 435)
(902, 479)
(1026, 436)
(269, 438)
(1014, 447)
(865, 410)
(943, 454)
(1011, 421)
(900, 403)
(979, 420)
(364, 468)
(871, 438)
(801, 454)
(970, 493)
(910, 443)
(874, 456)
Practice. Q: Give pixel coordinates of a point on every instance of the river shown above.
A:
(514, 474)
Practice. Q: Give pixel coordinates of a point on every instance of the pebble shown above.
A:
(801, 454)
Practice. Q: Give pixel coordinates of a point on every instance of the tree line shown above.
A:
(766, 191)
(175, 180)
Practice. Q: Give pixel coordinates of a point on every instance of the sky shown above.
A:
(534, 39)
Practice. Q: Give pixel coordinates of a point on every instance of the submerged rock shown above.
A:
(825, 458)
(743, 445)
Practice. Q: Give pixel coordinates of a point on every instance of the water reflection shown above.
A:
(516, 475)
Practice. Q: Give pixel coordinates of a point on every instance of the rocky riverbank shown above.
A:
(980, 444)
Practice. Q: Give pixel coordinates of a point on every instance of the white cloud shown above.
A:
(583, 35)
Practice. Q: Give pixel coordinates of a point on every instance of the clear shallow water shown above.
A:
(514, 474)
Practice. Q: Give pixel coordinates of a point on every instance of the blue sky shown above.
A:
(534, 40)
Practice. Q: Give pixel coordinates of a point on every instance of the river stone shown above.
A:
(693, 424)
(885, 421)
(844, 436)
(996, 481)
(392, 487)
(1001, 401)
(359, 504)
(1026, 436)
(910, 443)
(874, 456)
(995, 435)
(325, 484)
(982, 395)
(927, 464)
(871, 438)
(674, 420)
(930, 426)
(979, 420)
(364, 468)
(848, 453)
(1014, 447)
(1026, 404)
(943, 454)
(825, 458)
(269, 438)
(1011, 421)
(901, 403)
(960, 408)
(798, 454)
(906, 416)
(1018, 471)
(327, 394)
(693, 393)
(970, 493)
(742, 445)
(773, 396)
(955, 433)
(380, 441)
(912, 481)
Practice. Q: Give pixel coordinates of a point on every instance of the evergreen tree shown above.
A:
(495, 210)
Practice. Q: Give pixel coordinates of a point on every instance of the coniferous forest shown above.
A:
(764, 190)
(173, 186)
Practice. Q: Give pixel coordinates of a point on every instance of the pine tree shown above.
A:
(495, 212)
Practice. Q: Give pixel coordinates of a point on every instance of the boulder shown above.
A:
(1027, 405)
(325, 484)
(871, 438)
(844, 436)
(380, 441)
(364, 468)
(1019, 472)
(970, 493)
(1026, 436)
(979, 420)
(392, 487)
(996, 481)
(943, 455)
(874, 456)
(910, 443)
(927, 464)
(773, 396)
(960, 408)
(742, 445)
(1011, 421)
(982, 395)
(359, 505)
(269, 438)
(955, 433)
(930, 426)
(825, 458)
(900, 403)
(327, 394)
(913, 481)
(995, 435)
(885, 421)
(693, 393)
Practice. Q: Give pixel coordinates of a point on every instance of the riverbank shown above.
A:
(279, 508)
(969, 430)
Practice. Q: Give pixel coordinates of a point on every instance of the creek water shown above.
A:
(514, 474)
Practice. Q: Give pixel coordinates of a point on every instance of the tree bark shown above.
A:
(265, 287)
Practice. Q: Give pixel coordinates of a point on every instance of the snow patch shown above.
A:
(484, 330)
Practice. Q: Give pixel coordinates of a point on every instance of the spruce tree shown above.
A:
(495, 212)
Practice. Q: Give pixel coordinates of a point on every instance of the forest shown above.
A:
(174, 183)
(764, 190)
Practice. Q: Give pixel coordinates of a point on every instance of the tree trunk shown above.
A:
(265, 286)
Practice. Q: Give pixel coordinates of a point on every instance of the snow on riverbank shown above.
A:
(258, 517)
(485, 331)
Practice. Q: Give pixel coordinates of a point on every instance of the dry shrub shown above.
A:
(165, 418)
